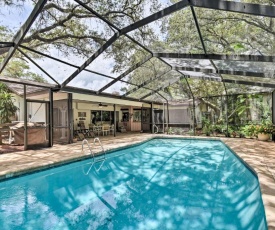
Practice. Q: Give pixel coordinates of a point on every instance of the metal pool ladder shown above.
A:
(102, 159)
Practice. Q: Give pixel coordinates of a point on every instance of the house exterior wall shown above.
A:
(36, 111)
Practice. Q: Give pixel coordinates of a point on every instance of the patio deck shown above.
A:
(259, 155)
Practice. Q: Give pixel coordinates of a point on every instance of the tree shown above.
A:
(72, 29)
(68, 28)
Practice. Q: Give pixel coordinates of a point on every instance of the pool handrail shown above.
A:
(157, 128)
(85, 141)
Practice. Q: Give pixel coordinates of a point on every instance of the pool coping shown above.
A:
(267, 197)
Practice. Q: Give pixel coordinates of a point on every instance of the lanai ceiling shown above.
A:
(162, 46)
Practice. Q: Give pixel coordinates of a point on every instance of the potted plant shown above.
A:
(264, 130)
(249, 130)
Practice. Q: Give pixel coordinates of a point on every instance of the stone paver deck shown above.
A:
(259, 155)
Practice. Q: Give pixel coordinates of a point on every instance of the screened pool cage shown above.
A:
(194, 64)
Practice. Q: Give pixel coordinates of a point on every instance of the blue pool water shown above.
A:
(160, 184)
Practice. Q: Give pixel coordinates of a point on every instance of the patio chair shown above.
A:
(112, 129)
(106, 129)
(86, 132)
(80, 136)
(97, 130)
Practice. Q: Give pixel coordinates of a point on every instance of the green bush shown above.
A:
(249, 130)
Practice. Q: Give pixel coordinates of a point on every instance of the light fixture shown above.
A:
(100, 105)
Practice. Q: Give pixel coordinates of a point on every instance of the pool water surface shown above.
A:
(160, 184)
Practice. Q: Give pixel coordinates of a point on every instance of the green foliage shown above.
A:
(266, 128)
(170, 130)
(18, 68)
(249, 130)
(3, 88)
(218, 128)
(207, 128)
(7, 107)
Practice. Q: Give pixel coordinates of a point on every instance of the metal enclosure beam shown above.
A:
(38, 66)
(6, 44)
(221, 71)
(25, 119)
(91, 59)
(267, 85)
(70, 117)
(168, 118)
(238, 7)
(225, 57)
(181, 75)
(50, 118)
(149, 94)
(273, 112)
(241, 82)
(158, 89)
(152, 118)
(211, 61)
(115, 118)
(22, 32)
(165, 12)
(26, 82)
(125, 73)
(110, 24)
(198, 29)
(72, 65)
(145, 83)
(70, 89)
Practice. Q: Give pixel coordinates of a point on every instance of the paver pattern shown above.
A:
(258, 154)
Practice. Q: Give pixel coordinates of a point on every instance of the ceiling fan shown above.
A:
(100, 105)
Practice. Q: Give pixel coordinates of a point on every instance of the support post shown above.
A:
(25, 120)
(114, 120)
(50, 118)
(152, 118)
(273, 112)
(194, 117)
(70, 117)
(226, 110)
(167, 117)
(163, 117)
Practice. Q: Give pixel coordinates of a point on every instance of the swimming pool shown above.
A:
(160, 184)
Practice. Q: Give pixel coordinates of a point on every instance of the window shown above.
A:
(137, 115)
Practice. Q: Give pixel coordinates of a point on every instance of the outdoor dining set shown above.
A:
(94, 130)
